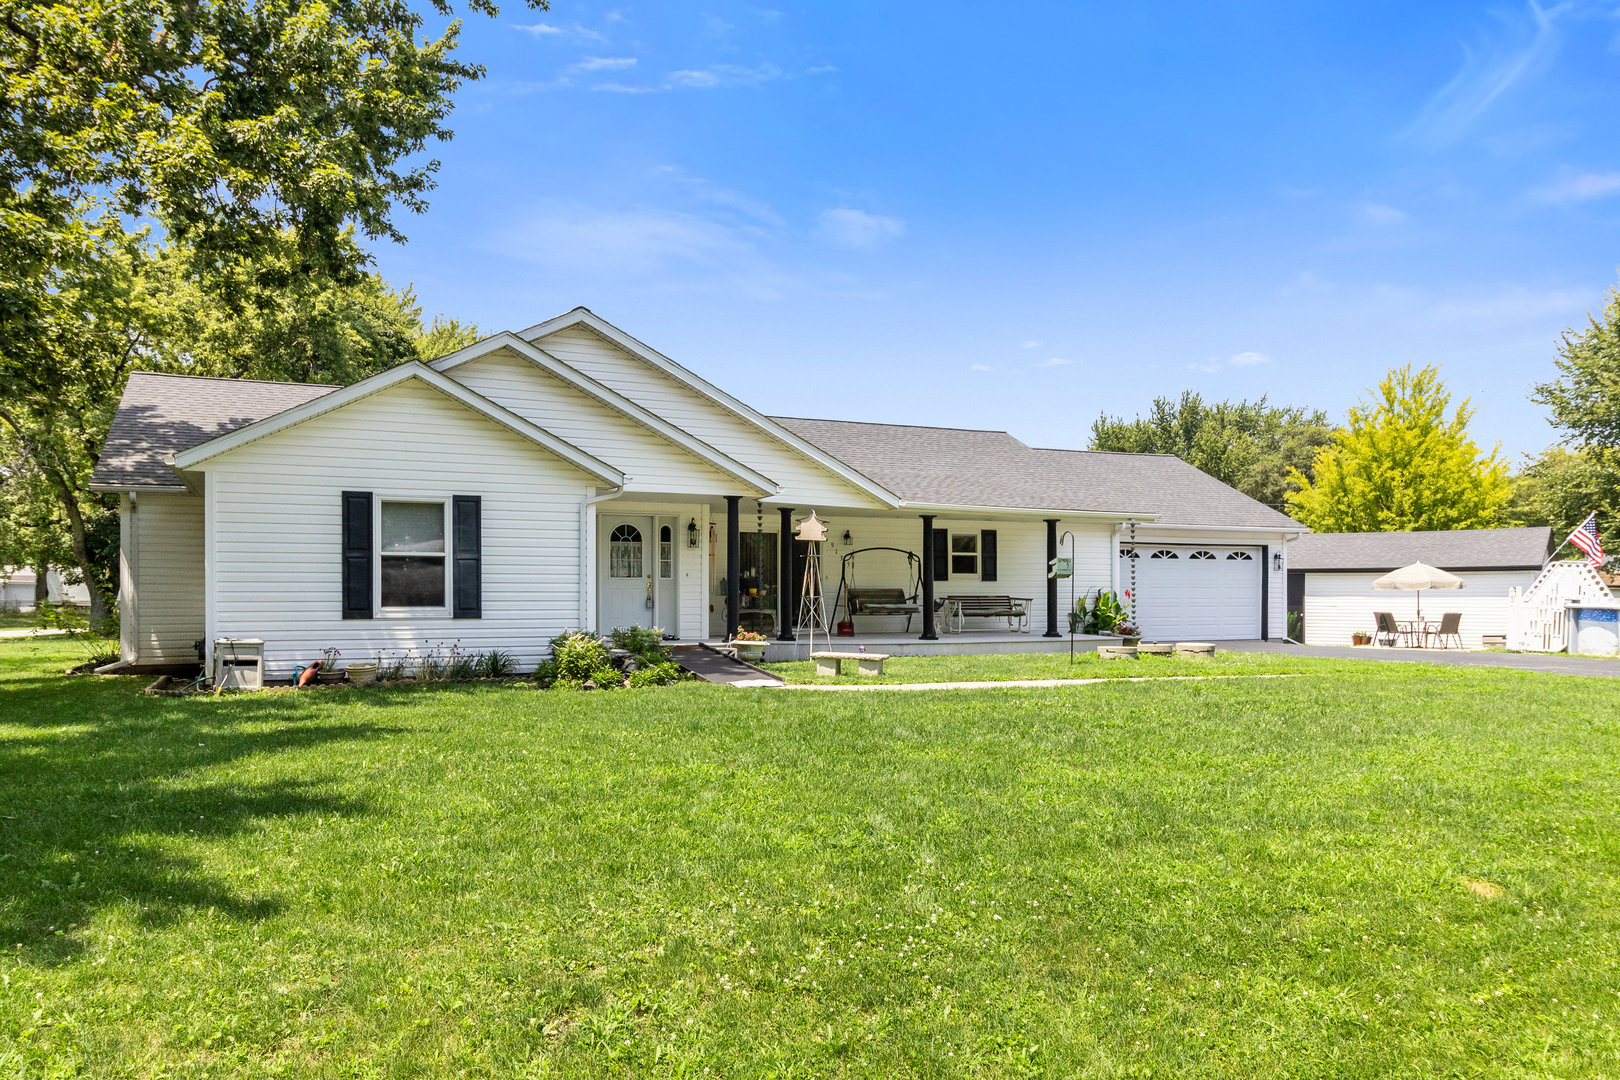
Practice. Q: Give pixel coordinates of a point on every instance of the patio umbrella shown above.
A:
(1416, 578)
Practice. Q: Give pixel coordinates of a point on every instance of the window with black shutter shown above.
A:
(987, 555)
(942, 555)
(469, 569)
(357, 555)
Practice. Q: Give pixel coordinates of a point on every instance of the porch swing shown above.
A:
(869, 600)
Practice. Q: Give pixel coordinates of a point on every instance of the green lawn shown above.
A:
(1374, 870)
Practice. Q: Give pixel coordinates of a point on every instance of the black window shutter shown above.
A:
(942, 555)
(469, 579)
(987, 555)
(357, 555)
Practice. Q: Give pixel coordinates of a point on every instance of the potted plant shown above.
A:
(330, 672)
(1128, 631)
(1361, 637)
(362, 672)
(749, 646)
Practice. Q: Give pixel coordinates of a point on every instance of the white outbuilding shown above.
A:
(1331, 575)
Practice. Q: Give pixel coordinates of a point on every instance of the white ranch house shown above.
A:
(568, 476)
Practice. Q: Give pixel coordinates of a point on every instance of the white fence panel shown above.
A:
(1538, 619)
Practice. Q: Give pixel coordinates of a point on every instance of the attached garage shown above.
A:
(1189, 592)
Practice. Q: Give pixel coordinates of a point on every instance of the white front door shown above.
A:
(1192, 593)
(625, 565)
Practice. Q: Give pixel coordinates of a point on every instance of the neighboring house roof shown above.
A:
(161, 415)
(1458, 549)
(968, 467)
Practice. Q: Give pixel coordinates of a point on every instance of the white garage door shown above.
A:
(1195, 593)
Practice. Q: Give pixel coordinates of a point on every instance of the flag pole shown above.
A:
(1590, 515)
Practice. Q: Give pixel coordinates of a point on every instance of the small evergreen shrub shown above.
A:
(659, 674)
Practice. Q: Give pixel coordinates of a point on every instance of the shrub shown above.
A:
(639, 642)
(660, 674)
(495, 664)
(460, 666)
(545, 674)
(579, 656)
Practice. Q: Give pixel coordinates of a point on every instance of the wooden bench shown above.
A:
(958, 609)
(875, 601)
(832, 663)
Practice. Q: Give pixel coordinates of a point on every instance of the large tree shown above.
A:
(1404, 461)
(1251, 445)
(246, 130)
(1564, 483)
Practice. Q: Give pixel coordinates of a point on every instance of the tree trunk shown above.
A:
(81, 555)
(42, 586)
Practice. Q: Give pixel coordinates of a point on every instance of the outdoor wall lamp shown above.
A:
(692, 533)
(847, 538)
(1276, 560)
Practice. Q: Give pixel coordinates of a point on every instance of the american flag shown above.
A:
(1585, 537)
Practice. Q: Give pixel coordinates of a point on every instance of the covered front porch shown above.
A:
(968, 643)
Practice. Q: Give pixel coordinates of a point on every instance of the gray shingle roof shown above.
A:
(1461, 549)
(160, 415)
(968, 467)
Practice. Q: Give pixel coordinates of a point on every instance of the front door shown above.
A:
(625, 564)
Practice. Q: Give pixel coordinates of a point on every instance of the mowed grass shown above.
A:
(1376, 871)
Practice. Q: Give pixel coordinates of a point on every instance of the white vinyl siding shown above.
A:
(1020, 564)
(1244, 605)
(801, 479)
(276, 521)
(1337, 605)
(164, 568)
(651, 462)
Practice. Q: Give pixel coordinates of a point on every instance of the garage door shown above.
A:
(1195, 593)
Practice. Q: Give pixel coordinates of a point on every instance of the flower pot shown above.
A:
(750, 652)
(1131, 639)
(362, 673)
(1359, 638)
(328, 676)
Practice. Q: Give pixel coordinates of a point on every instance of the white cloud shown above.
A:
(711, 193)
(979, 367)
(1208, 367)
(631, 242)
(1248, 359)
(1489, 69)
(1381, 215)
(1571, 186)
(551, 30)
(1053, 361)
(605, 63)
(1031, 345)
(852, 228)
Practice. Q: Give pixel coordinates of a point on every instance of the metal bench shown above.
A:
(958, 609)
(877, 601)
(832, 663)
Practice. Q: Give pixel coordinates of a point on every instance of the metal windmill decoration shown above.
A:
(812, 608)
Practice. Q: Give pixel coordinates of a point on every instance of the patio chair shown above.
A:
(1388, 631)
(1449, 629)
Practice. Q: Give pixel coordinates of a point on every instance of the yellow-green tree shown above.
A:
(1403, 462)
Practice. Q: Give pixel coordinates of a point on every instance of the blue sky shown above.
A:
(1018, 215)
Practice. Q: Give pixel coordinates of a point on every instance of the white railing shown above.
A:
(1538, 619)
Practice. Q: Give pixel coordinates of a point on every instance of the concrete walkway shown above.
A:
(32, 631)
(1023, 684)
(1553, 663)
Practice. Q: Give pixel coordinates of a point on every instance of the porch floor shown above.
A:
(904, 644)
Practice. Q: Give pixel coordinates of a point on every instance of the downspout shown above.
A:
(587, 554)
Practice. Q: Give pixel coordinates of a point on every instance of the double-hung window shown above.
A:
(964, 554)
(413, 570)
